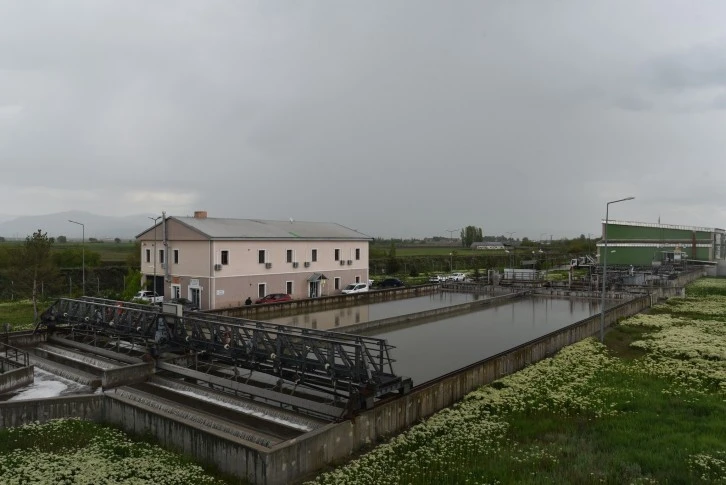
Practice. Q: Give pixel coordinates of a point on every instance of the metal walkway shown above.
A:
(347, 371)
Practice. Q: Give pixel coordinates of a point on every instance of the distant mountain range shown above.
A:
(99, 227)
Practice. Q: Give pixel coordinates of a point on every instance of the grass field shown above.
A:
(109, 251)
(647, 407)
(80, 452)
(19, 314)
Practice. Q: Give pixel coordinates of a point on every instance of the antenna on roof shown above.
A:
(292, 220)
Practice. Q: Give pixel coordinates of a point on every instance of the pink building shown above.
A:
(218, 263)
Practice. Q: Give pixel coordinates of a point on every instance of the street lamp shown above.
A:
(451, 262)
(83, 252)
(605, 266)
(155, 226)
(510, 258)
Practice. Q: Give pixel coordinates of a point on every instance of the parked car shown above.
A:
(391, 283)
(355, 288)
(437, 279)
(456, 277)
(274, 298)
(148, 296)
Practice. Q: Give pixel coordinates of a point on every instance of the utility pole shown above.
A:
(605, 265)
(155, 249)
(83, 252)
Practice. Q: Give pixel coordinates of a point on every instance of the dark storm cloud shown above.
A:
(396, 118)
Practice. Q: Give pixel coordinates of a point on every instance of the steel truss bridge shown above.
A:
(347, 371)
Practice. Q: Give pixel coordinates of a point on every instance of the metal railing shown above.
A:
(13, 356)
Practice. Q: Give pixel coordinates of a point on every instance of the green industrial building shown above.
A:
(652, 244)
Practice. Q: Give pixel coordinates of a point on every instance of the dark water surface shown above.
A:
(429, 350)
(332, 319)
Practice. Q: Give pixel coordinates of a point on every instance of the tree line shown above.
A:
(33, 270)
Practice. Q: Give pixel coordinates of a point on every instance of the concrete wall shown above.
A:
(476, 288)
(236, 457)
(261, 312)
(25, 338)
(289, 461)
(14, 378)
(18, 413)
(130, 374)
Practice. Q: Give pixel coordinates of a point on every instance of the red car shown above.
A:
(274, 298)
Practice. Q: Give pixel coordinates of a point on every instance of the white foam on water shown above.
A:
(45, 385)
(39, 390)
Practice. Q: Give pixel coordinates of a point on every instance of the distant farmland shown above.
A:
(110, 252)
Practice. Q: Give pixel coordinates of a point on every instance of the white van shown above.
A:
(355, 288)
(149, 296)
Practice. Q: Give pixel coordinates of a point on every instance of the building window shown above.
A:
(225, 257)
(314, 255)
(261, 257)
(337, 283)
(288, 287)
(261, 290)
(357, 279)
(176, 256)
(337, 254)
(288, 255)
(357, 254)
(161, 256)
(148, 255)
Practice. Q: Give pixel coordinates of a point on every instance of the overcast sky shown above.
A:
(396, 118)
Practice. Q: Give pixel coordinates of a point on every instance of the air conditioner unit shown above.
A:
(342, 262)
(268, 265)
(217, 267)
(295, 264)
(307, 264)
(350, 262)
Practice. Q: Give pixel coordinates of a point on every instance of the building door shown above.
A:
(195, 296)
(313, 293)
(159, 285)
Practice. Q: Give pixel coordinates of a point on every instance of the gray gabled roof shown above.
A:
(218, 228)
